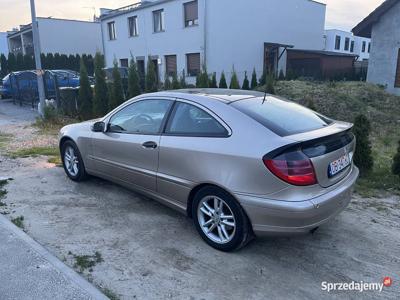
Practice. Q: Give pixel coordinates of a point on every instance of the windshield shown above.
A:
(281, 116)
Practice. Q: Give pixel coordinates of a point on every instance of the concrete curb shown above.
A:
(59, 265)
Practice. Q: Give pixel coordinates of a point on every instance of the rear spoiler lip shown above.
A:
(298, 145)
(334, 128)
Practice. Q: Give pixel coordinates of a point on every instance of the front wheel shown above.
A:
(220, 220)
(72, 161)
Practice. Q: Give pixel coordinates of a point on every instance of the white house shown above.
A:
(345, 42)
(3, 43)
(383, 26)
(220, 34)
(58, 36)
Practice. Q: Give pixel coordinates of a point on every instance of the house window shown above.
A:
(193, 64)
(191, 13)
(346, 44)
(158, 20)
(369, 47)
(170, 65)
(111, 31)
(397, 79)
(133, 26)
(124, 62)
(352, 46)
(364, 45)
(337, 43)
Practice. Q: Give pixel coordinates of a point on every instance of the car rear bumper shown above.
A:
(274, 217)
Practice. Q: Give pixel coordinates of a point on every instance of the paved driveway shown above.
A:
(152, 252)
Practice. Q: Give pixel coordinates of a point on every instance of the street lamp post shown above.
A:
(37, 51)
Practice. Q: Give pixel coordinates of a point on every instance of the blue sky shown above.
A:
(341, 14)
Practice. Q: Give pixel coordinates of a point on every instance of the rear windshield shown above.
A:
(281, 116)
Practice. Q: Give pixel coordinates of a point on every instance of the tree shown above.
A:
(396, 162)
(50, 61)
(167, 83)
(85, 95)
(234, 84)
(133, 80)
(222, 81)
(151, 80)
(254, 79)
(3, 66)
(270, 83)
(11, 62)
(100, 101)
(19, 64)
(57, 61)
(116, 95)
(213, 82)
(182, 82)
(246, 83)
(363, 156)
(29, 63)
(175, 82)
(202, 80)
(64, 61)
(263, 78)
(90, 63)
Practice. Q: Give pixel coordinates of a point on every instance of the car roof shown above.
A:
(223, 95)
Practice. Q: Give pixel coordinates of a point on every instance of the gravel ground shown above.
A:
(152, 252)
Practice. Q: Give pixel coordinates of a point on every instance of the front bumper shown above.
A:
(274, 217)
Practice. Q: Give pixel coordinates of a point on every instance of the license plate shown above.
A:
(339, 165)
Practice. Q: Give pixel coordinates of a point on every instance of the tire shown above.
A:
(222, 236)
(75, 170)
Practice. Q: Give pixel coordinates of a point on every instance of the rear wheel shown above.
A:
(220, 220)
(72, 161)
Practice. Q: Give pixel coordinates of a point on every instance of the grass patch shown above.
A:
(109, 293)
(19, 221)
(53, 126)
(87, 262)
(4, 139)
(55, 160)
(344, 101)
(35, 151)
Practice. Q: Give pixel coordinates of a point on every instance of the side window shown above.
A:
(190, 120)
(142, 117)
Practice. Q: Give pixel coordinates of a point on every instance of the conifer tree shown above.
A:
(213, 82)
(363, 156)
(182, 82)
(222, 81)
(116, 93)
(3, 66)
(234, 84)
(100, 101)
(133, 80)
(254, 79)
(11, 62)
(176, 85)
(85, 95)
(246, 83)
(151, 80)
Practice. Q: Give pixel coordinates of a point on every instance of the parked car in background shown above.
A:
(237, 162)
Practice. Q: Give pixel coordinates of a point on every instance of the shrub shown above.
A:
(363, 156)
(222, 81)
(234, 84)
(167, 83)
(254, 79)
(151, 80)
(183, 80)
(85, 95)
(263, 78)
(396, 162)
(176, 85)
(202, 80)
(100, 100)
(116, 94)
(213, 81)
(246, 83)
(133, 80)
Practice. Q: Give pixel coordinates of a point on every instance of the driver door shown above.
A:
(128, 150)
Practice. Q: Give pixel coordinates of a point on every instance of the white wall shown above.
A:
(3, 43)
(330, 39)
(385, 50)
(69, 37)
(175, 40)
(236, 32)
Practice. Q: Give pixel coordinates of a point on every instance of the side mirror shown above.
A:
(98, 127)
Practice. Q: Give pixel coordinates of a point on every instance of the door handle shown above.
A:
(150, 145)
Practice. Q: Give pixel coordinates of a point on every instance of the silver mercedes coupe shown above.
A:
(239, 163)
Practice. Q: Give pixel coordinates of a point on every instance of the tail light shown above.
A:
(292, 167)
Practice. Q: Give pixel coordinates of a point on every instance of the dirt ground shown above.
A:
(152, 252)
